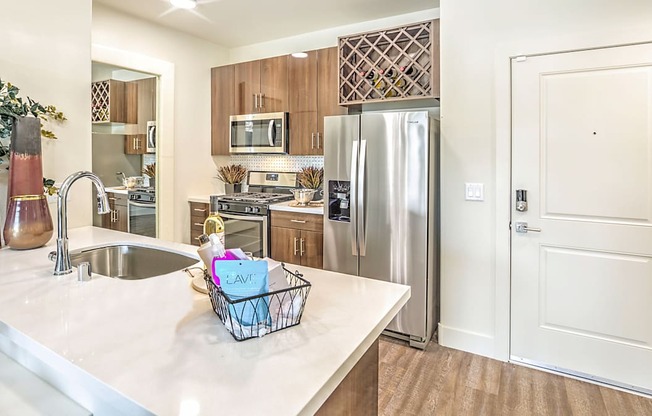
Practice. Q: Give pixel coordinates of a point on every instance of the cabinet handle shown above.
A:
(312, 140)
(296, 248)
(255, 101)
(262, 100)
(112, 199)
(318, 140)
(200, 209)
(299, 221)
(117, 216)
(196, 238)
(302, 247)
(198, 224)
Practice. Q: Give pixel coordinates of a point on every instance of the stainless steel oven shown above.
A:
(141, 206)
(247, 232)
(246, 214)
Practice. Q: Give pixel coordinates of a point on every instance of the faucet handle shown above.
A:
(84, 272)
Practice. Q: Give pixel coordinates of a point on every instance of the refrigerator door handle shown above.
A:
(361, 223)
(353, 206)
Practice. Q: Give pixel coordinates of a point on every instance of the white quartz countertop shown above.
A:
(290, 206)
(117, 190)
(157, 344)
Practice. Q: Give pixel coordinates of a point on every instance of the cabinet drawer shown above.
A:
(308, 222)
(198, 209)
(194, 237)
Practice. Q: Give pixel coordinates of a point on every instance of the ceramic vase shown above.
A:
(232, 188)
(28, 223)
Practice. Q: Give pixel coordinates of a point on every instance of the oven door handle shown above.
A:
(258, 218)
(142, 205)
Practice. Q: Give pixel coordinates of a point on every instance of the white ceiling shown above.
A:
(233, 23)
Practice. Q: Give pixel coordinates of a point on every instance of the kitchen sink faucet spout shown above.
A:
(62, 263)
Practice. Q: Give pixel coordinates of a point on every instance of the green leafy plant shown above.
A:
(12, 106)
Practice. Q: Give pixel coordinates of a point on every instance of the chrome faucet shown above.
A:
(62, 262)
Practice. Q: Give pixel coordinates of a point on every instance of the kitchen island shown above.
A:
(156, 346)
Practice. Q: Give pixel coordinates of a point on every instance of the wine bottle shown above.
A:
(370, 75)
(409, 71)
(388, 73)
(214, 224)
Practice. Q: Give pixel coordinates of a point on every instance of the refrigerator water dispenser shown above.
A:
(339, 197)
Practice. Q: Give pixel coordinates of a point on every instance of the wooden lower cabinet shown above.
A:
(357, 394)
(297, 238)
(198, 214)
(118, 218)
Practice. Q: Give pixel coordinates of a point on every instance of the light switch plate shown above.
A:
(474, 191)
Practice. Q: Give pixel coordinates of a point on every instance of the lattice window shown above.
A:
(393, 64)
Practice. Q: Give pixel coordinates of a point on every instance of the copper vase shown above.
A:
(28, 223)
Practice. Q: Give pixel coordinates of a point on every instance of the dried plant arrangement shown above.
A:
(232, 174)
(311, 177)
(150, 170)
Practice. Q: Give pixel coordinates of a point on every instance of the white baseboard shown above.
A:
(473, 342)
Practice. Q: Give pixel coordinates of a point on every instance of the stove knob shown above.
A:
(255, 210)
(248, 209)
(223, 207)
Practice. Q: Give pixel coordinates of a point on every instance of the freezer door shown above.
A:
(340, 158)
(393, 209)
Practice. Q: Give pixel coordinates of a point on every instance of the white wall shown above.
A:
(193, 169)
(323, 38)
(49, 59)
(477, 40)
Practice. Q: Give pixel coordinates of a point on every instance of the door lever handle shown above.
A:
(522, 227)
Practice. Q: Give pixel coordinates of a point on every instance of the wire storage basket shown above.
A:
(256, 316)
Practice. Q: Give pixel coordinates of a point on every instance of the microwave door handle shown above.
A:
(271, 133)
(354, 197)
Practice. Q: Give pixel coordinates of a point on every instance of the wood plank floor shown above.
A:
(442, 381)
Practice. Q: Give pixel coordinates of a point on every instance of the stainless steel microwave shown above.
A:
(259, 133)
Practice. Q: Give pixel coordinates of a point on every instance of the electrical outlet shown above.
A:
(474, 191)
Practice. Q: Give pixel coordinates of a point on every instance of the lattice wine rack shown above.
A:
(390, 65)
(106, 105)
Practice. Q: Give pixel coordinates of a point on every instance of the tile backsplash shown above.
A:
(277, 163)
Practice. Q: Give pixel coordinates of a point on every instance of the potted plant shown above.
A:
(310, 180)
(150, 172)
(232, 176)
(28, 223)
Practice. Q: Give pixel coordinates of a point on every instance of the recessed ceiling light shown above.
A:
(184, 4)
(299, 55)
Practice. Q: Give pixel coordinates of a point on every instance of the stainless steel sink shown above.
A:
(131, 262)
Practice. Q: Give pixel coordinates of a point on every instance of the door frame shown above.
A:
(165, 124)
(503, 57)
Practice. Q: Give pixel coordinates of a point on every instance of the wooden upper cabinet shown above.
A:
(273, 85)
(247, 87)
(108, 102)
(261, 86)
(223, 98)
(131, 102)
(303, 75)
(313, 96)
(327, 87)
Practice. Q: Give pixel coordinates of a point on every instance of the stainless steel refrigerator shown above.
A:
(381, 211)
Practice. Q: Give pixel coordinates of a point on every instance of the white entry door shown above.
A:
(582, 275)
